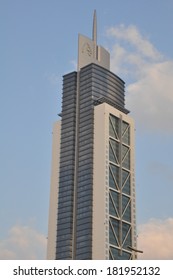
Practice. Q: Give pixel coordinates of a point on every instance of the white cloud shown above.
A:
(155, 238)
(131, 35)
(149, 94)
(23, 242)
(74, 64)
(151, 97)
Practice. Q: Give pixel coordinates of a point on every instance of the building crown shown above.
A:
(90, 52)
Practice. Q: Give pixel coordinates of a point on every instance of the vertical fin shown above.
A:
(94, 37)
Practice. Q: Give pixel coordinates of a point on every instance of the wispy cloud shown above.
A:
(156, 239)
(23, 242)
(150, 90)
(131, 35)
(54, 79)
(74, 64)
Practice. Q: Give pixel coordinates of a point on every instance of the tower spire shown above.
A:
(94, 35)
(90, 52)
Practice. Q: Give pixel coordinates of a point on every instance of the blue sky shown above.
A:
(39, 45)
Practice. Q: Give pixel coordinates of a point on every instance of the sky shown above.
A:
(38, 46)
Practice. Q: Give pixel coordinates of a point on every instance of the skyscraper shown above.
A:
(93, 164)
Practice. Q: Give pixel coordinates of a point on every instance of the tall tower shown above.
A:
(93, 174)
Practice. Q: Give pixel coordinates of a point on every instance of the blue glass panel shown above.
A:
(111, 155)
(125, 201)
(111, 130)
(124, 127)
(111, 181)
(116, 226)
(115, 197)
(110, 256)
(125, 228)
(115, 123)
(124, 151)
(126, 137)
(115, 252)
(126, 161)
(126, 188)
(112, 210)
(115, 171)
(115, 146)
(127, 214)
(112, 238)
(128, 241)
(124, 176)
(118, 255)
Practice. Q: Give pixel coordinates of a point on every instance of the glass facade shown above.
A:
(66, 171)
(82, 91)
(120, 206)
